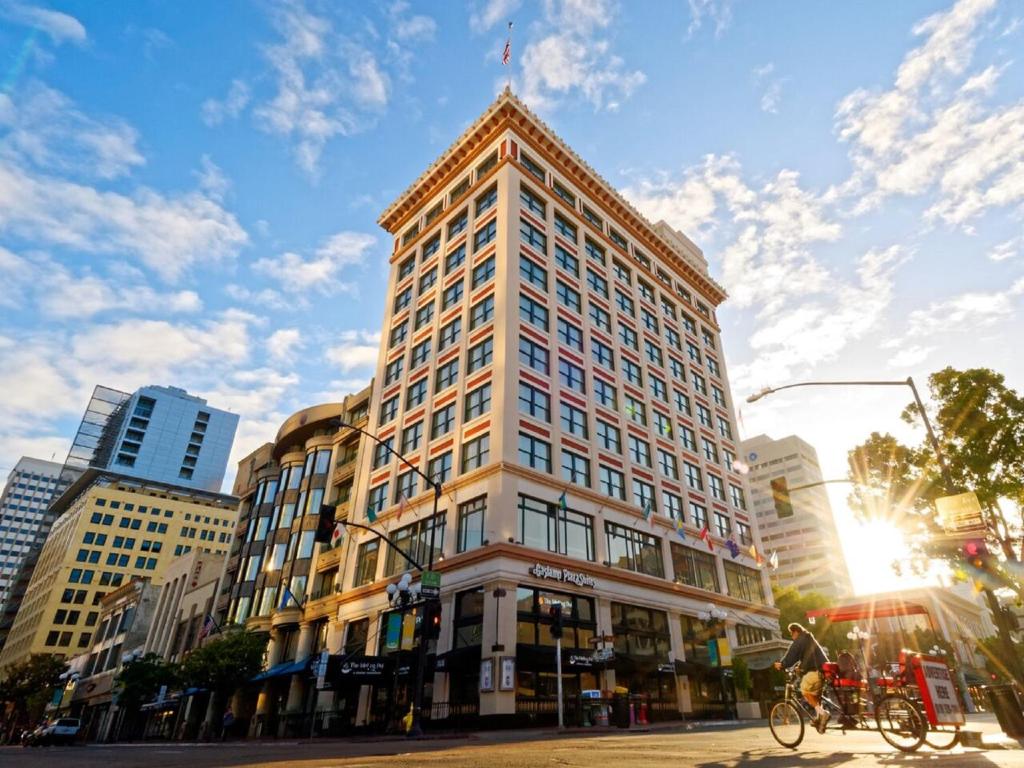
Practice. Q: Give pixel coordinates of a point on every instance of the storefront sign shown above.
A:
(368, 668)
(508, 673)
(486, 675)
(937, 691)
(564, 575)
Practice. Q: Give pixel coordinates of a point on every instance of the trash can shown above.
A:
(1004, 702)
(620, 710)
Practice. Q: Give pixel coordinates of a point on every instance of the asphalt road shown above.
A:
(716, 747)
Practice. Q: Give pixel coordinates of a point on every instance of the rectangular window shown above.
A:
(723, 526)
(636, 411)
(625, 304)
(570, 376)
(717, 487)
(381, 453)
(602, 355)
(407, 267)
(658, 389)
(667, 464)
(632, 372)
(449, 334)
(574, 421)
(639, 451)
(457, 225)
(693, 476)
(366, 562)
(533, 312)
(447, 375)
(424, 315)
(476, 453)
(377, 498)
(710, 450)
(455, 259)
(744, 583)
(606, 394)
(483, 272)
(673, 506)
(622, 272)
(478, 402)
(428, 279)
(699, 515)
(609, 437)
(534, 453)
(532, 202)
(592, 217)
(486, 200)
(567, 261)
(532, 167)
(613, 483)
(653, 352)
(414, 540)
(628, 336)
(546, 526)
(532, 236)
(471, 524)
(597, 284)
(600, 318)
(398, 334)
(481, 354)
(485, 235)
(393, 371)
(533, 273)
(643, 495)
(567, 297)
(738, 499)
(411, 437)
(565, 194)
(388, 409)
(594, 251)
(535, 403)
(703, 415)
(634, 551)
(694, 568)
(402, 300)
(533, 356)
(724, 429)
(420, 354)
(452, 295)
(442, 421)
(482, 312)
(416, 394)
(575, 469)
(570, 335)
(440, 468)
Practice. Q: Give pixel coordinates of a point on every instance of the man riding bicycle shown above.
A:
(806, 652)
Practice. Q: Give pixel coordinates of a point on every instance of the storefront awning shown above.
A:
(285, 668)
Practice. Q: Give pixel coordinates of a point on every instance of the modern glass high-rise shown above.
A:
(31, 486)
(162, 434)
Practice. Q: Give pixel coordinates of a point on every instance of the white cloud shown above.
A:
(1007, 250)
(214, 111)
(322, 271)
(717, 12)
(772, 87)
(282, 344)
(59, 26)
(570, 55)
(490, 12)
(45, 130)
(413, 28)
(934, 130)
(212, 179)
(327, 85)
(356, 350)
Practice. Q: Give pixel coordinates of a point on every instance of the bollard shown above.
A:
(642, 720)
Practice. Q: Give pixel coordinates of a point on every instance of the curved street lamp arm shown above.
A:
(429, 480)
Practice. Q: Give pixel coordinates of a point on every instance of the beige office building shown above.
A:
(809, 550)
(554, 359)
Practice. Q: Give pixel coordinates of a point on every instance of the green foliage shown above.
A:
(27, 685)
(741, 676)
(223, 664)
(139, 681)
(793, 606)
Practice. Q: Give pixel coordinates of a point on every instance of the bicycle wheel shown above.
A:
(786, 724)
(942, 739)
(900, 723)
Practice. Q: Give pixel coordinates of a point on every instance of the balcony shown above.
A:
(329, 558)
(343, 470)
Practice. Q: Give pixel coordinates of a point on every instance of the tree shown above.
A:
(979, 425)
(224, 664)
(27, 687)
(794, 605)
(140, 680)
(741, 676)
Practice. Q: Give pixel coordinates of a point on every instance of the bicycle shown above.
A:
(895, 716)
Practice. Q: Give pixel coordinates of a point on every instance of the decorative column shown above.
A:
(297, 686)
(498, 639)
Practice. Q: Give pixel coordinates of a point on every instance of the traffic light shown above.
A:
(433, 620)
(976, 553)
(555, 611)
(325, 524)
(780, 496)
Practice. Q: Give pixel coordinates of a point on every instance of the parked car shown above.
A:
(61, 731)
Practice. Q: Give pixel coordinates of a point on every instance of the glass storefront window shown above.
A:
(471, 524)
(634, 551)
(355, 637)
(469, 618)
(414, 540)
(744, 583)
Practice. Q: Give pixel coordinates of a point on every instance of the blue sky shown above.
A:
(188, 192)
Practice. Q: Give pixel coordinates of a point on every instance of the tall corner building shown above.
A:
(162, 434)
(809, 549)
(553, 359)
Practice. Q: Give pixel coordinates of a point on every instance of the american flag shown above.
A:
(207, 628)
(506, 55)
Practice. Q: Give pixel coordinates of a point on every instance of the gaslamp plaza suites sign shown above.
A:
(563, 575)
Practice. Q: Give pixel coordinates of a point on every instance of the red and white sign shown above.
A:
(938, 691)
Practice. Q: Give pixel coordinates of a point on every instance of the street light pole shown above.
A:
(416, 727)
(908, 382)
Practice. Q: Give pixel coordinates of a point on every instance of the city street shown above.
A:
(712, 747)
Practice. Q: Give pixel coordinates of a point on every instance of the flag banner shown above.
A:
(371, 514)
(705, 536)
(338, 535)
(207, 627)
(506, 54)
(403, 502)
(733, 547)
(773, 560)
(563, 502)
(679, 529)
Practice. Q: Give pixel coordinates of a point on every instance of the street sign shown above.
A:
(430, 584)
(960, 513)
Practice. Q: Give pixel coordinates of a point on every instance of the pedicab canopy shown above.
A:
(885, 608)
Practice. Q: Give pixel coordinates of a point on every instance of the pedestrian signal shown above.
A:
(556, 620)
(780, 497)
(325, 525)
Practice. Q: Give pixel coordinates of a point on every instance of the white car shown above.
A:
(62, 731)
